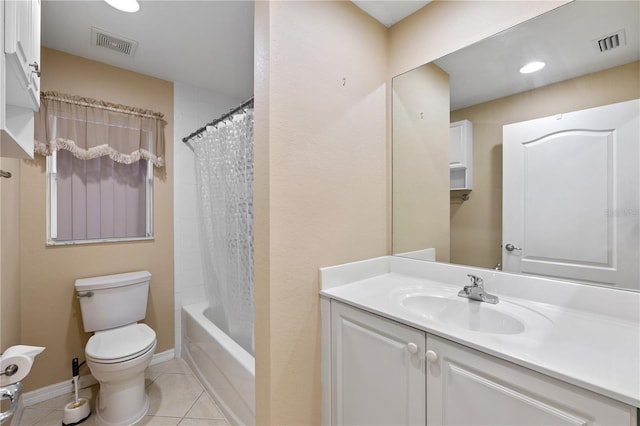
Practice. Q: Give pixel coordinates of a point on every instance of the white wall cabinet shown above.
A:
(380, 370)
(461, 154)
(19, 76)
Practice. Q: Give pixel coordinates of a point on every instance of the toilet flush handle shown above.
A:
(87, 294)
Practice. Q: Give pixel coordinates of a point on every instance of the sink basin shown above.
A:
(449, 309)
(426, 305)
(480, 316)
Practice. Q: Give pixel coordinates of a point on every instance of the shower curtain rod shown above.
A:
(245, 104)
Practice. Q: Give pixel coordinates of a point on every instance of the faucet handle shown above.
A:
(476, 280)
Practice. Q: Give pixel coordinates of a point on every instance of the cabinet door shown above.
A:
(467, 387)
(22, 49)
(461, 154)
(377, 370)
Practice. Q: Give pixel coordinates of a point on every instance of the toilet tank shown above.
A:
(111, 301)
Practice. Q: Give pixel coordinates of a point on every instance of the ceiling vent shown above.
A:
(610, 42)
(112, 41)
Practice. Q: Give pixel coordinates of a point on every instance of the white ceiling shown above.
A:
(207, 44)
(389, 12)
(563, 38)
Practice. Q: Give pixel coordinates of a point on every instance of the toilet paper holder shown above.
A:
(11, 392)
(10, 370)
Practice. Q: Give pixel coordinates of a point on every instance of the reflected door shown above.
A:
(571, 187)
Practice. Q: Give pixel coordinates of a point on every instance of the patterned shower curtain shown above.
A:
(224, 173)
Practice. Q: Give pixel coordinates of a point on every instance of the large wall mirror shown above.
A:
(553, 187)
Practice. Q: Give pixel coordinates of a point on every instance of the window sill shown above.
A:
(53, 243)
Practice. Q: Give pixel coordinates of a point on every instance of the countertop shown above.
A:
(587, 348)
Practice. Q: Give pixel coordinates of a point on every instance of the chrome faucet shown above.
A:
(475, 291)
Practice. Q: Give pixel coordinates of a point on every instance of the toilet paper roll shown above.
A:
(23, 363)
(22, 357)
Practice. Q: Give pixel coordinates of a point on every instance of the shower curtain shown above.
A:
(224, 174)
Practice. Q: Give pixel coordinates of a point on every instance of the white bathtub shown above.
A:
(223, 366)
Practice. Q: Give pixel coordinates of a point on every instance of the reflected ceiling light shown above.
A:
(532, 67)
(129, 6)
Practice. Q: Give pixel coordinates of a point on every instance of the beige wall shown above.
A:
(476, 225)
(321, 183)
(421, 161)
(10, 254)
(50, 311)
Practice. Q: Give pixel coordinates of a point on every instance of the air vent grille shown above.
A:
(114, 42)
(611, 41)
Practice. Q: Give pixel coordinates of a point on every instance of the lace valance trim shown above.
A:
(97, 151)
(94, 103)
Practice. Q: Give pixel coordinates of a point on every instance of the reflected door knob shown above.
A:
(432, 356)
(412, 348)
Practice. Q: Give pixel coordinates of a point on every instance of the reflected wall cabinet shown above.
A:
(387, 373)
(19, 76)
(461, 154)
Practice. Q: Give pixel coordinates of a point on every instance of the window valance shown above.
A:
(90, 129)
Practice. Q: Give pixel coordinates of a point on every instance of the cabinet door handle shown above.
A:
(36, 68)
(432, 356)
(412, 348)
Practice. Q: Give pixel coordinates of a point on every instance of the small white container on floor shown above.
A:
(76, 412)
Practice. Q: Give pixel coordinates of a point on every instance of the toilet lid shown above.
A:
(120, 344)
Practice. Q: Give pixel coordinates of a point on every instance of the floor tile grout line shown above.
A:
(194, 403)
(211, 398)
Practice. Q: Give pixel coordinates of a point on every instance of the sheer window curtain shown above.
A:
(101, 159)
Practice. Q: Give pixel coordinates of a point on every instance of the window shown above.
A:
(100, 160)
(98, 199)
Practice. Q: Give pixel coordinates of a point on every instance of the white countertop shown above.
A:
(593, 342)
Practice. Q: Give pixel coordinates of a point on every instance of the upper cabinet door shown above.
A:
(22, 52)
(461, 154)
(377, 370)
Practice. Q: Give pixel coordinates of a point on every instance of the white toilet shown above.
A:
(121, 348)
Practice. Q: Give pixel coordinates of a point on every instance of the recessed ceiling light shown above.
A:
(532, 67)
(129, 6)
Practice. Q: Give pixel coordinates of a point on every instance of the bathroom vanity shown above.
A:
(401, 347)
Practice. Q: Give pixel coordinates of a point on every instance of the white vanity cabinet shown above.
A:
(384, 373)
(19, 76)
(468, 387)
(377, 370)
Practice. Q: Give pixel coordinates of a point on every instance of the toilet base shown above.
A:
(122, 399)
(122, 404)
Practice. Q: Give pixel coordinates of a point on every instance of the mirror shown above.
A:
(592, 56)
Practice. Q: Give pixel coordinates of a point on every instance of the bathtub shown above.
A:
(225, 369)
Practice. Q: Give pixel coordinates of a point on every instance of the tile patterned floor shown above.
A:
(176, 398)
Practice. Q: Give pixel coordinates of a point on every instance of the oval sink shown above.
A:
(449, 309)
(480, 317)
(427, 306)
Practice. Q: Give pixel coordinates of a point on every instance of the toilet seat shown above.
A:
(120, 344)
